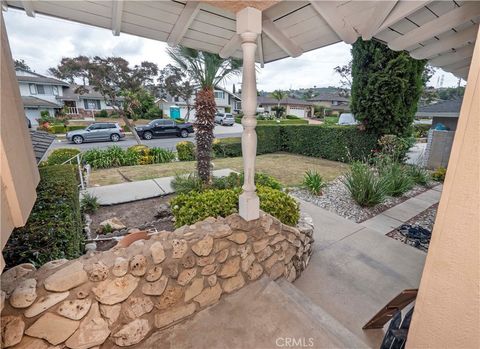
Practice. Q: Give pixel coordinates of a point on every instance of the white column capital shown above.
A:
(249, 19)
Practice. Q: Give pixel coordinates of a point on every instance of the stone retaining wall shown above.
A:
(119, 297)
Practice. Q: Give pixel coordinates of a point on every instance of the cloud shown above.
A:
(42, 42)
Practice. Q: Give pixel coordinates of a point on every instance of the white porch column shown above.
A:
(249, 26)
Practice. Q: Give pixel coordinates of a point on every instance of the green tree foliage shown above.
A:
(448, 93)
(177, 83)
(21, 64)
(386, 87)
(145, 107)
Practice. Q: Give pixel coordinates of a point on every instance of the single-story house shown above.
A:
(293, 106)
(445, 112)
(226, 101)
(333, 101)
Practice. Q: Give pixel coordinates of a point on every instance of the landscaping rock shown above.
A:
(230, 268)
(53, 264)
(247, 262)
(10, 278)
(12, 330)
(66, 278)
(179, 248)
(221, 245)
(186, 276)
(194, 289)
(132, 333)
(91, 246)
(278, 238)
(115, 291)
(110, 312)
(277, 270)
(93, 331)
(171, 296)
(238, 238)
(154, 273)
(254, 271)
(24, 294)
(260, 245)
(138, 265)
(155, 288)
(120, 267)
(163, 211)
(157, 251)
(209, 296)
(2, 300)
(75, 309)
(189, 261)
(203, 261)
(212, 280)
(203, 247)
(98, 272)
(233, 283)
(44, 303)
(175, 314)
(135, 307)
(32, 343)
(244, 251)
(114, 223)
(55, 329)
(264, 254)
(210, 269)
(171, 270)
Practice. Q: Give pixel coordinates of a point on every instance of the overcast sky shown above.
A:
(42, 41)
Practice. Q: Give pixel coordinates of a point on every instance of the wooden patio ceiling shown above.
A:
(443, 31)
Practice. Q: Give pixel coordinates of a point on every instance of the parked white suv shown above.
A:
(225, 119)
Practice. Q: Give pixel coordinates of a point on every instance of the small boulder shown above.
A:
(158, 252)
(120, 267)
(230, 268)
(209, 295)
(194, 289)
(24, 294)
(115, 291)
(203, 247)
(179, 248)
(155, 288)
(186, 276)
(114, 223)
(154, 273)
(233, 283)
(93, 331)
(135, 307)
(48, 327)
(75, 309)
(45, 302)
(66, 278)
(138, 265)
(238, 238)
(132, 333)
(12, 330)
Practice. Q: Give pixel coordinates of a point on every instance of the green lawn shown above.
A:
(287, 168)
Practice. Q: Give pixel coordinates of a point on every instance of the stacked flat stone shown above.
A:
(119, 297)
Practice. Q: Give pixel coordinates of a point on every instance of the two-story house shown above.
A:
(83, 105)
(39, 93)
(226, 101)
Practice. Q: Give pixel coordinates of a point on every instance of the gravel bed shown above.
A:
(425, 219)
(337, 199)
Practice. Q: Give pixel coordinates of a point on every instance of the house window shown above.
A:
(40, 89)
(91, 104)
(55, 90)
(33, 89)
(219, 94)
(334, 102)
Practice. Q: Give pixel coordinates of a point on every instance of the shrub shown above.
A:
(195, 206)
(89, 203)
(185, 183)
(439, 174)
(235, 180)
(56, 128)
(136, 155)
(102, 114)
(397, 178)
(186, 151)
(59, 156)
(292, 117)
(394, 147)
(419, 175)
(313, 182)
(421, 130)
(54, 227)
(365, 187)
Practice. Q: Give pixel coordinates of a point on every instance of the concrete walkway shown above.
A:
(138, 190)
(356, 270)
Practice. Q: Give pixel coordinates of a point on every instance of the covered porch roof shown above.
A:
(443, 32)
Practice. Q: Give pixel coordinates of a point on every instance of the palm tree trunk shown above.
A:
(204, 124)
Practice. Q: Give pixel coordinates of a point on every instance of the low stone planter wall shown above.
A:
(119, 297)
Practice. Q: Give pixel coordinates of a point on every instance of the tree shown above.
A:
(278, 95)
(345, 72)
(71, 69)
(175, 82)
(21, 64)
(114, 79)
(207, 70)
(145, 108)
(386, 87)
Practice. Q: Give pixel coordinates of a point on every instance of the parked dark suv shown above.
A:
(161, 127)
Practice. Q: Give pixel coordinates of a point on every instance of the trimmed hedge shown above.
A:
(288, 121)
(54, 227)
(337, 143)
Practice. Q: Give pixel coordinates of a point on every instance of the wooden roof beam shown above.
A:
(183, 22)
(230, 47)
(380, 13)
(28, 7)
(117, 12)
(280, 38)
(402, 9)
(439, 25)
(443, 45)
(453, 57)
(329, 12)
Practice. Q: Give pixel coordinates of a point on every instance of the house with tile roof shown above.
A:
(333, 101)
(293, 106)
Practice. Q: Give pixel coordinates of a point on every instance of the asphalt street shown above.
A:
(166, 142)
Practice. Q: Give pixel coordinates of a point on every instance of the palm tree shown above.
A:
(207, 70)
(279, 95)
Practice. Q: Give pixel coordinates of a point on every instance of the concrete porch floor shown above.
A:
(356, 270)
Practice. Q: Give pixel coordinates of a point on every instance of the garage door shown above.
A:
(297, 111)
(33, 114)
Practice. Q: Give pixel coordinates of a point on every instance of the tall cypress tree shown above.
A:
(386, 87)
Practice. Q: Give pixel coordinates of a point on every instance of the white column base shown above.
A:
(249, 206)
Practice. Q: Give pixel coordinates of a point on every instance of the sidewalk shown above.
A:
(138, 190)
(356, 270)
